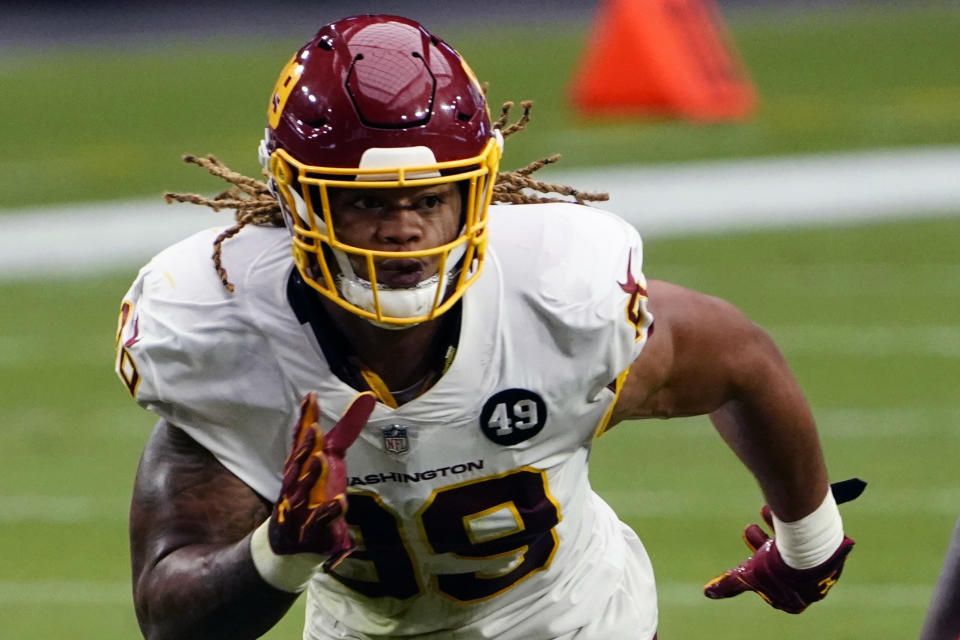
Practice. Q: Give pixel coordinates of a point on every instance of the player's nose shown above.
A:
(401, 226)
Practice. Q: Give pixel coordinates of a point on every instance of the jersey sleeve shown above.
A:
(583, 274)
(187, 351)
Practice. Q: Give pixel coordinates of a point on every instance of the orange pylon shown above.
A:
(662, 57)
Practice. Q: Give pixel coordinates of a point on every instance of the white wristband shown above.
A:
(289, 573)
(812, 539)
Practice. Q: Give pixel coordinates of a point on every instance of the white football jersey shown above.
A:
(471, 505)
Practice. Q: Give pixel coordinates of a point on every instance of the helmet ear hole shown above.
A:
(281, 170)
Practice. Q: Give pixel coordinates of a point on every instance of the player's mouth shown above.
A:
(401, 273)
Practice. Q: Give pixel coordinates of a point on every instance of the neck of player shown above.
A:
(400, 358)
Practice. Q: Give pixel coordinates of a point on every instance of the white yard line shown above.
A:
(898, 423)
(638, 503)
(60, 509)
(840, 188)
(852, 595)
(628, 503)
(857, 423)
(869, 341)
(64, 592)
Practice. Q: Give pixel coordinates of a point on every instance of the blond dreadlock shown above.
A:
(511, 185)
(249, 197)
(254, 204)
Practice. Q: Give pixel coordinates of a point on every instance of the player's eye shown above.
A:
(430, 201)
(366, 203)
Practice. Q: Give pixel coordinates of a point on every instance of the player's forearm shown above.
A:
(768, 424)
(207, 592)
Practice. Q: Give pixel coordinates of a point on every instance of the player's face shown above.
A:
(402, 219)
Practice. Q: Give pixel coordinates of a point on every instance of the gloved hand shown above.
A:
(308, 515)
(765, 573)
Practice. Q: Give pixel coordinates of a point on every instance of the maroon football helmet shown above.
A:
(377, 101)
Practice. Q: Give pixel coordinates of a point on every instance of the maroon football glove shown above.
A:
(765, 572)
(308, 515)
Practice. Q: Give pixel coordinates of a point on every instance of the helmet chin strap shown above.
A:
(399, 302)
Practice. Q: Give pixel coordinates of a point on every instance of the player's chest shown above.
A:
(436, 443)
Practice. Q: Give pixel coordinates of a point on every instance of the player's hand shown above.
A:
(308, 515)
(765, 572)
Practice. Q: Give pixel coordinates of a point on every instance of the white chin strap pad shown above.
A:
(407, 302)
(397, 303)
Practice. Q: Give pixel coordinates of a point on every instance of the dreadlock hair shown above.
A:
(249, 197)
(255, 204)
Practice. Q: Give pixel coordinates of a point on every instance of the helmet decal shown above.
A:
(288, 79)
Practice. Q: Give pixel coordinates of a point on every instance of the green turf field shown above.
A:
(866, 315)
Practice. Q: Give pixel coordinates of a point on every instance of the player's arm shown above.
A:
(706, 357)
(943, 615)
(190, 526)
(211, 558)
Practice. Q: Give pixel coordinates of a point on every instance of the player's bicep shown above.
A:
(693, 361)
(184, 496)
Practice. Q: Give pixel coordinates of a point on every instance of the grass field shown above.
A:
(866, 315)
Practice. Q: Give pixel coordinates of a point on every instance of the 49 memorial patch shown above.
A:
(512, 416)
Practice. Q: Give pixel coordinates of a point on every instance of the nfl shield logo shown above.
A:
(395, 438)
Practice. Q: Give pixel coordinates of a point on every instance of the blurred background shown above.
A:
(845, 250)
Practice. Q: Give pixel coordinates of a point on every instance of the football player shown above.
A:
(386, 392)
(942, 621)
